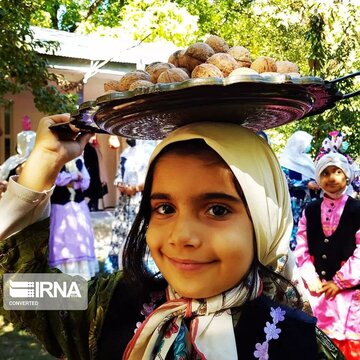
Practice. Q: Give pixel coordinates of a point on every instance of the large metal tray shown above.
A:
(258, 102)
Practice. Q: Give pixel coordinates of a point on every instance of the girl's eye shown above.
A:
(218, 210)
(164, 209)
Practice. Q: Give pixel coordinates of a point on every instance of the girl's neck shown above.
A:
(335, 196)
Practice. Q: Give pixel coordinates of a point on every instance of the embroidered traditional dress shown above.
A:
(263, 328)
(72, 241)
(338, 317)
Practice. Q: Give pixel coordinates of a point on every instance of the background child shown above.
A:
(72, 240)
(217, 229)
(328, 253)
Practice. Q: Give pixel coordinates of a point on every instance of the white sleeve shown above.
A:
(20, 207)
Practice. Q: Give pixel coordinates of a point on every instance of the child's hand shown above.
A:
(62, 150)
(330, 289)
(315, 285)
(50, 154)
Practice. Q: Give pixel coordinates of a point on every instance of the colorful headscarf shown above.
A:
(294, 156)
(259, 174)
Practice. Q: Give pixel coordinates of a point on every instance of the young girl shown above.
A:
(72, 241)
(217, 229)
(328, 253)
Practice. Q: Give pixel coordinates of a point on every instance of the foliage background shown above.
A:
(321, 36)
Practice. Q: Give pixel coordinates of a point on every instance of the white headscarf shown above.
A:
(25, 144)
(259, 174)
(340, 161)
(333, 159)
(294, 158)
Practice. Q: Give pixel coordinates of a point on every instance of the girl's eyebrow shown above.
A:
(159, 196)
(219, 196)
(205, 196)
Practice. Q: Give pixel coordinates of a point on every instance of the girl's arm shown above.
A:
(27, 198)
(303, 258)
(349, 274)
(20, 207)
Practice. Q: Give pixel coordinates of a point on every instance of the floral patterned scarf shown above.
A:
(164, 332)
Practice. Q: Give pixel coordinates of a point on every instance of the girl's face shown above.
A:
(333, 180)
(199, 233)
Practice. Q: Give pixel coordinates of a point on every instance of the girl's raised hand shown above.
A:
(50, 154)
(63, 151)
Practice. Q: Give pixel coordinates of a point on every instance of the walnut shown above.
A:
(206, 70)
(172, 75)
(188, 62)
(225, 62)
(217, 43)
(241, 55)
(264, 64)
(186, 70)
(200, 51)
(294, 75)
(243, 71)
(111, 85)
(155, 69)
(130, 77)
(285, 67)
(138, 84)
(174, 57)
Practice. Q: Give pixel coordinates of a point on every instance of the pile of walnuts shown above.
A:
(212, 58)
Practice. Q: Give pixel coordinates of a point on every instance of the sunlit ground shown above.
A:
(18, 345)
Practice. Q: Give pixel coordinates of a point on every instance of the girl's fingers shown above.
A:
(84, 138)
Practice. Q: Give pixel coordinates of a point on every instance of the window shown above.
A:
(6, 141)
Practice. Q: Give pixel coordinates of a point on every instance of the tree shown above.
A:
(21, 67)
(321, 37)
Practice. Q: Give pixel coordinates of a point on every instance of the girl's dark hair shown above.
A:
(136, 250)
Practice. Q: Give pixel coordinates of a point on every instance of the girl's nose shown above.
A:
(185, 232)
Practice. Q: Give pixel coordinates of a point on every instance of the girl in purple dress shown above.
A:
(71, 243)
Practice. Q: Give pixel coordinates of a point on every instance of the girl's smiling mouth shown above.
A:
(188, 264)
